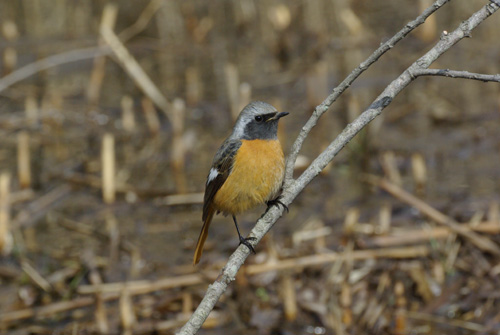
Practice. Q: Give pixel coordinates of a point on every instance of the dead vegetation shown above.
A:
(103, 163)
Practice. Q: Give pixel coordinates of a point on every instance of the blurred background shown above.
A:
(107, 140)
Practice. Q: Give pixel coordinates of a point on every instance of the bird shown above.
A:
(247, 170)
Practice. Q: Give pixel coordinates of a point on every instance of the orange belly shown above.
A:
(256, 177)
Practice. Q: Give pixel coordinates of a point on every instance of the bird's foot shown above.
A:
(276, 202)
(247, 244)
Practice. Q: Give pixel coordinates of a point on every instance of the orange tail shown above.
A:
(203, 236)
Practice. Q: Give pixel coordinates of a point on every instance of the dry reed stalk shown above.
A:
(215, 319)
(421, 281)
(346, 304)
(45, 311)
(419, 171)
(313, 229)
(301, 163)
(142, 21)
(128, 117)
(353, 106)
(232, 85)
(60, 276)
(438, 272)
(452, 252)
(320, 259)
(151, 116)
(23, 159)
(479, 241)
(373, 312)
(428, 31)
(100, 314)
(127, 315)
(187, 304)
(333, 319)
(178, 145)
(9, 59)
(384, 219)
(289, 298)
(193, 86)
(6, 240)
(476, 327)
(10, 33)
(279, 15)
(35, 276)
(108, 21)
(414, 236)
(390, 167)
(400, 322)
(317, 234)
(108, 168)
(31, 111)
(351, 221)
(146, 286)
(135, 71)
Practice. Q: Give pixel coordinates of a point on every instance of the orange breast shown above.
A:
(256, 177)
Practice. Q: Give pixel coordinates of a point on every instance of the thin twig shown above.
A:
(337, 91)
(481, 242)
(293, 187)
(414, 236)
(320, 259)
(51, 61)
(46, 310)
(449, 322)
(457, 74)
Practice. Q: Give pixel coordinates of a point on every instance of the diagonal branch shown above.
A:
(293, 187)
(337, 91)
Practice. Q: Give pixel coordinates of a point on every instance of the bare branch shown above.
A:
(293, 187)
(50, 62)
(337, 91)
(134, 69)
(457, 74)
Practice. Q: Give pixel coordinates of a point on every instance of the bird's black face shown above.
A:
(263, 126)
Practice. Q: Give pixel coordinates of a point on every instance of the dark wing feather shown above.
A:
(223, 162)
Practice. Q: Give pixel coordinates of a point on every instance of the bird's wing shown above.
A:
(221, 169)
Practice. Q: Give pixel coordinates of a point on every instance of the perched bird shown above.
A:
(247, 170)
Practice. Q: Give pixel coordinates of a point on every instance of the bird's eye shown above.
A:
(259, 118)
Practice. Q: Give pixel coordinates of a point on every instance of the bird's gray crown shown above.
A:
(248, 128)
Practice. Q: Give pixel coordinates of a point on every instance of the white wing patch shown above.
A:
(212, 175)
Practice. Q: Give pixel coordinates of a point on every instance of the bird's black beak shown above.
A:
(278, 116)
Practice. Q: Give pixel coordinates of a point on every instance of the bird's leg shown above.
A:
(276, 202)
(244, 240)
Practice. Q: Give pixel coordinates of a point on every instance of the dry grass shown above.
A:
(100, 193)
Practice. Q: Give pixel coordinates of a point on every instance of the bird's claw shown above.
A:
(247, 244)
(276, 202)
